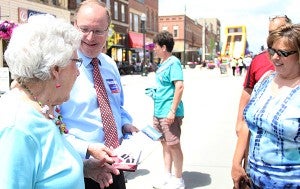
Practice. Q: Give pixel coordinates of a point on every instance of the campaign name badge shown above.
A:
(113, 85)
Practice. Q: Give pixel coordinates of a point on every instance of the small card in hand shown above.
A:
(128, 155)
(152, 133)
(126, 162)
(129, 152)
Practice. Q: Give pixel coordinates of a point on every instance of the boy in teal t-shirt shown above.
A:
(168, 109)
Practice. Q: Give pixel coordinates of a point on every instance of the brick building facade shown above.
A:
(18, 12)
(126, 19)
(187, 35)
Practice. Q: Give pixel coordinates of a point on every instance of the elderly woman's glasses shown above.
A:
(280, 52)
(87, 31)
(78, 61)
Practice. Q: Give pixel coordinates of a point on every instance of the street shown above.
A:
(208, 131)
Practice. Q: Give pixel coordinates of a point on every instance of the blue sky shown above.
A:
(252, 13)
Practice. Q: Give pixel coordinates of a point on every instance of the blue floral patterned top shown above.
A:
(273, 120)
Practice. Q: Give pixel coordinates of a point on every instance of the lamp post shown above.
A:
(144, 68)
(203, 40)
(184, 36)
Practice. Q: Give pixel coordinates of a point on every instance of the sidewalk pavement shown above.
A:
(208, 131)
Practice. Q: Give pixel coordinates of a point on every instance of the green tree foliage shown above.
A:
(111, 36)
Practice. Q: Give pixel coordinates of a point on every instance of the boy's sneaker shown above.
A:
(175, 183)
(161, 184)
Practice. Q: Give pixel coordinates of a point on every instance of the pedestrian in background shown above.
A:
(94, 114)
(234, 65)
(42, 59)
(168, 109)
(247, 61)
(241, 65)
(272, 116)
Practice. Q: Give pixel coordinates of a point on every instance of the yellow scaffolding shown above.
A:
(235, 41)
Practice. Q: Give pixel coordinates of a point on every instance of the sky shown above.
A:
(254, 14)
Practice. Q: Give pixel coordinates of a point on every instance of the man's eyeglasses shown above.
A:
(280, 52)
(86, 31)
(78, 61)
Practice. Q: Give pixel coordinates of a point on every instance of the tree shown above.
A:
(111, 36)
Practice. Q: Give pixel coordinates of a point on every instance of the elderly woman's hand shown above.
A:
(101, 152)
(99, 171)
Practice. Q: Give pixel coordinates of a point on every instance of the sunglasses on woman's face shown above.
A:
(280, 52)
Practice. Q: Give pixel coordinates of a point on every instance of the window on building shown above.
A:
(116, 16)
(155, 23)
(130, 22)
(135, 23)
(148, 21)
(55, 2)
(123, 13)
(108, 4)
(152, 21)
(164, 28)
(175, 31)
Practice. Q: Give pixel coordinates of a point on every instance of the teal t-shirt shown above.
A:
(167, 72)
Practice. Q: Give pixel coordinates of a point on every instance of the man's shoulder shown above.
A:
(105, 57)
(261, 57)
(109, 63)
(107, 60)
(262, 54)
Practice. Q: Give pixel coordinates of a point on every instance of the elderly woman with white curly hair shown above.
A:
(42, 58)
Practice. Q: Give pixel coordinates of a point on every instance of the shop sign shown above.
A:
(24, 14)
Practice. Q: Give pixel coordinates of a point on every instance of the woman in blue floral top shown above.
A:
(273, 119)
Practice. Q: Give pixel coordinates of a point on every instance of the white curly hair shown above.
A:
(36, 46)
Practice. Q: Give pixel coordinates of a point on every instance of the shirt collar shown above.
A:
(86, 60)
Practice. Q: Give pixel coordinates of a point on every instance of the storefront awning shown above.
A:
(149, 46)
(135, 40)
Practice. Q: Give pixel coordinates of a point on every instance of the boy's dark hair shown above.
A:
(164, 38)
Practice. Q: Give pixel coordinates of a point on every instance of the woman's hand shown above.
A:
(171, 117)
(101, 152)
(99, 171)
(238, 175)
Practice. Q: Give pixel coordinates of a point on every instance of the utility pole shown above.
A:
(144, 66)
(203, 40)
